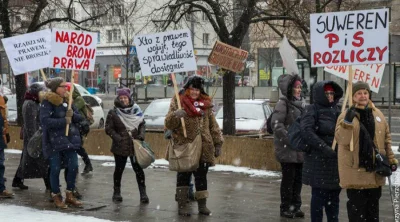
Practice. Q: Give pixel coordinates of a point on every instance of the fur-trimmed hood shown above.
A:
(53, 98)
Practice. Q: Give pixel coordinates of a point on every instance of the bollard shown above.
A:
(383, 100)
(253, 94)
(136, 93)
(145, 93)
(165, 91)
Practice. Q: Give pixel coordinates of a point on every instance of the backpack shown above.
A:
(84, 125)
(270, 128)
(294, 134)
(89, 113)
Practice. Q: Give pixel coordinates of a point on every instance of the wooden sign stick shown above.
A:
(43, 75)
(70, 99)
(179, 102)
(350, 87)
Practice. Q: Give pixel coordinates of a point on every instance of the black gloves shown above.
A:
(350, 114)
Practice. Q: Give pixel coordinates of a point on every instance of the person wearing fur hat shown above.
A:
(320, 167)
(368, 127)
(57, 147)
(288, 108)
(199, 119)
(30, 168)
(124, 123)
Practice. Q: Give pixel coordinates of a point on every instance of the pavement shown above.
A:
(233, 196)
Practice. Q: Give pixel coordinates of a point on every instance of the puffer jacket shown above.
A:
(207, 125)
(351, 175)
(52, 119)
(286, 111)
(122, 143)
(320, 168)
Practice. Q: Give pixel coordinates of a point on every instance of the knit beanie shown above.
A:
(296, 83)
(328, 88)
(360, 85)
(124, 92)
(35, 88)
(54, 83)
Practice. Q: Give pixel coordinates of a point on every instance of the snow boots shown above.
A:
(201, 197)
(182, 197)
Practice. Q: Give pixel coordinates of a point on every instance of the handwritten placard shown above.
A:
(228, 57)
(75, 50)
(28, 52)
(351, 37)
(165, 52)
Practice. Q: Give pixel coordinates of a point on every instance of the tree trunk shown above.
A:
(313, 78)
(229, 125)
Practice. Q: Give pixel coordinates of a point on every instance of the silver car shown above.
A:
(155, 113)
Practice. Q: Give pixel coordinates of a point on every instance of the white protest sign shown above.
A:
(288, 58)
(165, 52)
(352, 37)
(72, 49)
(28, 52)
(371, 74)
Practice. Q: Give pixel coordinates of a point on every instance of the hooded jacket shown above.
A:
(320, 168)
(286, 111)
(52, 119)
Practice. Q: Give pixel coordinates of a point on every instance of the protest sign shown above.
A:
(75, 50)
(165, 52)
(228, 57)
(288, 58)
(371, 74)
(347, 38)
(28, 52)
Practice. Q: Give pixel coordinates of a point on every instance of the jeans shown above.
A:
(329, 199)
(120, 163)
(291, 186)
(363, 205)
(2, 169)
(70, 160)
(200, 178)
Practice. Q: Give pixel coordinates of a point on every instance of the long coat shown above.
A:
(207, 125)
(122, 143)
(320, 169)
(351, 175)
(31, 167)
(52, 118)
(285, 113)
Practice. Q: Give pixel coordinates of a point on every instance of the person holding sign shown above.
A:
(57, 147)
(358, 168)
(199, 119)
(320, 170)
(124, 123)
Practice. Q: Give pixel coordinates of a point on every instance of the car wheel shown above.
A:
(101, 123)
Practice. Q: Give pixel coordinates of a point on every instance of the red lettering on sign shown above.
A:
(73, 37)
(332, 38)
(317, 58)
(56, 61)
(381, 51)
(376, 82)
(371, 54)
(357, 36)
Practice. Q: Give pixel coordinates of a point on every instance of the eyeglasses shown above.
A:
(64, 86)
(329, 93)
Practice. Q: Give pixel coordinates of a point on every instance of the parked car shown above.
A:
(12, 110)
(155, 113)
(251, 116)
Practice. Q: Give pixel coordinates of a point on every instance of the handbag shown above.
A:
(34, 146)
(143, 153)
(185, 157)
(382, 166)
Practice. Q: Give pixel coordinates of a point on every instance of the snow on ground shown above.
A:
(34, 215)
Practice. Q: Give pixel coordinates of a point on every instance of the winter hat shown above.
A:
(54, 83)
(328, 88)
(124, 92)
(360, 85)
(196, 82)
(35, 88)
(298, 82)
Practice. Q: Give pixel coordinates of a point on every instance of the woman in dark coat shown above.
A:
(320, 168)
(288, 108)
(124, 123)
(31, 168)
(57, 147)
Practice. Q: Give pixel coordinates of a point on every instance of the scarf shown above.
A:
(30, 96)
(366, 139)
(131, 117)
(194, 108)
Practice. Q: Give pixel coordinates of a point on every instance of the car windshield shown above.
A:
(159, 108)
(245, 111)
(81, 90)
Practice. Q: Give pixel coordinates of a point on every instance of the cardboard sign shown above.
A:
(75, 50)
(352, 37)
(228, 57)
(165, 52)
(371, 74)
(28, 52)
(288, 58)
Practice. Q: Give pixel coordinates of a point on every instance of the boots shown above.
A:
(71, 200)
(17, 182)
(117, 194)
(6, 194)
(88, 168)
(182, 196)
(143, 196)
(57, 199)
(201, 197)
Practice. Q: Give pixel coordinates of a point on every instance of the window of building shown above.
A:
(71, 11)
(117, 10)
(18, 19)
(204, 17)
(114, 73)
(206, 38)
(114, 35)
(52, 14)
